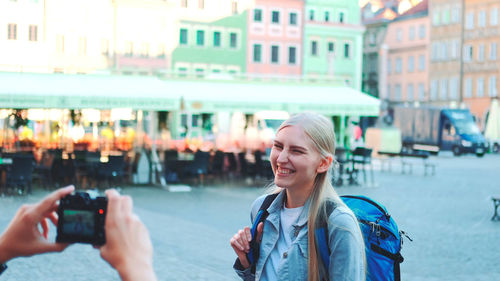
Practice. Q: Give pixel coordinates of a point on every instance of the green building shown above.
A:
(333, 41)
(217, 47)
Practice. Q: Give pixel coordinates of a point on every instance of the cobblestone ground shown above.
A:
(447, 215)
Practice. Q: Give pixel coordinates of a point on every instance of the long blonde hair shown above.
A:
(320, 130)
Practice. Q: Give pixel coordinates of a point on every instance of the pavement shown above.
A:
(447, 215)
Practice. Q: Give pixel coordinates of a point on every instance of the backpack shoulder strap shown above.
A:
(321, 234)
(253, 255)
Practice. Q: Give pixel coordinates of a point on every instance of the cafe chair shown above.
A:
(20, 174)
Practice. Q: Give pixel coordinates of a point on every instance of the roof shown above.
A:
(420, 10)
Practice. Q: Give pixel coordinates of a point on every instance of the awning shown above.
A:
(33, 90)
(292, 97)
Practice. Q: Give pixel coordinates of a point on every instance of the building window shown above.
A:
(389, 66)
(397, 92)
(311, 15)
(331, 47)
(469, 20)
(341, 17)
(314, 48)
(468, 52)
(446, 16)
(274, 54)
(257, 15)
(388, 91)
(275, 17)
(183, 40)
(216, 39)
(411, 33)
(12, 31)
(444, 51)
(454, 88)
(421, 62)
(327, 16)
(233, 40)
(410, 95)
(33, 32)
(257, 53)
(494, 16)
(161, 51)
(421, 91)
(480, 52)
(454, 49)
(105, 47)
(480, 87)
(399, 65)
(434, 89)
(411, 64)
(443, 93)
(455, 14)
(184, 3)
(82, 46)
(145, 50)
(435, 17)
(201, 4)
(481, 20)
(347, 50)
(399, 34)
(421, 31)
(60, 44)
(493, 51)
(292, 55)
(293, 18)
(468, 87)
(234, 7)
(492, 90)
(129, 49)
(200, 37)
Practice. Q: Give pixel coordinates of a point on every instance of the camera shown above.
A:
(81, 218)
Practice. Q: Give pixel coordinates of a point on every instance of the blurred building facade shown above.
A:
(404, 51)
(285, 39)
(275, 38)
(332, 42)
(446, 52)
(480, 56)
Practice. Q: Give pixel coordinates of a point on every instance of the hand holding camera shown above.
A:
(83, 218)
(22, 238)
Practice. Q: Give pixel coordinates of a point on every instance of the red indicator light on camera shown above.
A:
(101, 211)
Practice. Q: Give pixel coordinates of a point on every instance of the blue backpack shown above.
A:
(380, 232)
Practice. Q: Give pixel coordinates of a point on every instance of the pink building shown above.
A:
(275, 38)
(405, 57)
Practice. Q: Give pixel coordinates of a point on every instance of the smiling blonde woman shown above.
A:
(302, 159)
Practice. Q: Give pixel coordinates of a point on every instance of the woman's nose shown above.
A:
(283, 156)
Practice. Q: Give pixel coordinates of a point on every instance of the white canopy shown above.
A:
(33, 90)
(252, 97)
(29, 90)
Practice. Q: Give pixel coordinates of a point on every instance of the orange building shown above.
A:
(480, 56)
(405, 55)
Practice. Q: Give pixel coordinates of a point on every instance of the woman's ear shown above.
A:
(325, 164)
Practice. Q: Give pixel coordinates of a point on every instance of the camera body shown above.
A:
(81, 219)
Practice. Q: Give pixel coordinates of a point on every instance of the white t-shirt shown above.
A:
(288, 217)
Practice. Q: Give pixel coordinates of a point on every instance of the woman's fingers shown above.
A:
(260, 228)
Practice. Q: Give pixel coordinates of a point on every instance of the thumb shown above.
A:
(260, 228)
(53, 247)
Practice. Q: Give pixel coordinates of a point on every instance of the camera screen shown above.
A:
(79, 222)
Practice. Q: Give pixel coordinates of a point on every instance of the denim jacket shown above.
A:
(347, 259)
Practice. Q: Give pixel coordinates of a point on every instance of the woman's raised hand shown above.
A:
(241, 243)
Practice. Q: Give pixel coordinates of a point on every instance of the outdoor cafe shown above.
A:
(99, 129)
